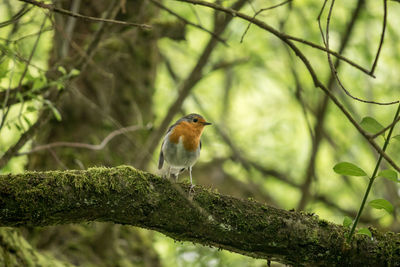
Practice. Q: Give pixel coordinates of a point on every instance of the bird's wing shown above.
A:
(161, 158)
(173, 125)
(200, 144)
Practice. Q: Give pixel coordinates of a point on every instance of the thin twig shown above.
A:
(89, 18)
(47, 29)
(258, 12)
(319, 47)
(382, 36)
(160, 5)
(7, 95)
(100, 146)
(16, 17)
(111, 12)
(298, 95)
(69, 28)
(196, 14)
(57, 159)
(336, 54)
(21, 58)
(333, 69)
(385, 129)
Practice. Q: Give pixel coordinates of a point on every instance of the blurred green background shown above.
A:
(259, 96)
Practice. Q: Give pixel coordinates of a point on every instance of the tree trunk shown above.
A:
(113, 91)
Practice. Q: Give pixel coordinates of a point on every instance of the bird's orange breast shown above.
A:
(190, 135)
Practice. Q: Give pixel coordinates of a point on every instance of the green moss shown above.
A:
(323, 223)
(128, 196)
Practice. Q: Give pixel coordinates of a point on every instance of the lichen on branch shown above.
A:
(125, 195)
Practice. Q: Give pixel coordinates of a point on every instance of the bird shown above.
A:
(181, 145)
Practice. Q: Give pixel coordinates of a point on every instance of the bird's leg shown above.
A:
(169, 172)
(191, 180)
(190, 173)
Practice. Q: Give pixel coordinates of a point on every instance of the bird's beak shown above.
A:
(206, 123)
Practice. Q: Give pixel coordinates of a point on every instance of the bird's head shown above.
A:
(196, 120)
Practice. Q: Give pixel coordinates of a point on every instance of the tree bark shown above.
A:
(115, 90)
(125, 195)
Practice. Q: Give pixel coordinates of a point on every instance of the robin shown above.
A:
(181, 145)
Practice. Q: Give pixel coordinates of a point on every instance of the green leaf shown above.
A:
(347, 168)
(347, 221)
(39, 83)
(55, 111)
(62, 70)
(74, 72)
(364, 231)
(19, 128)
(371, 125)
(389, 174)
(30, 108)
(27, 120)
(380, 204)
(397, 137)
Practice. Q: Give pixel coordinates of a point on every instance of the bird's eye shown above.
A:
(195, 120)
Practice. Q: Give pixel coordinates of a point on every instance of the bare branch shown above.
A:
(262, 10)
(89, 18)
(382, 36)
(160, 5)
(46, 29)
(100, 146)
(336, 54)
(16, 17)
(385, 129)
(333, 69)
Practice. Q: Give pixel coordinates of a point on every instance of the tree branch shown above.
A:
(89, 18)
(160, 5)
(125, 195)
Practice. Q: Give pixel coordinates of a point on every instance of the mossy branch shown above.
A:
(125, 195)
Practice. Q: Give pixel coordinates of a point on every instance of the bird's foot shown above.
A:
(191, 189)
(174, 177)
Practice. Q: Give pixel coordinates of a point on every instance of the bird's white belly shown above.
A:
(177, 156)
